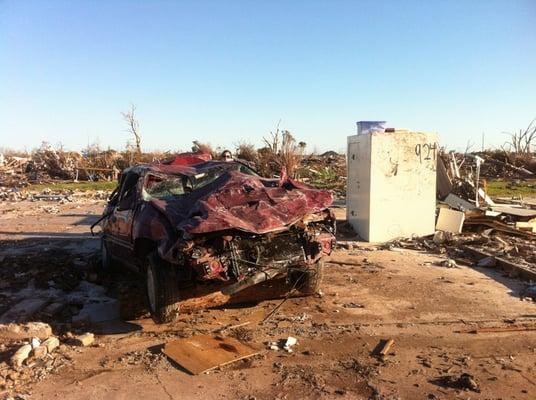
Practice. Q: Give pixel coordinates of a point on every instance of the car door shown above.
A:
(119, 225)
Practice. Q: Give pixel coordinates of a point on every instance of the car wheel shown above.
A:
(308, 281)
(162, 291)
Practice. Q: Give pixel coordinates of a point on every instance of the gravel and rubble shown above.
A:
(60, 196)
(25, 362)
(43, 306)
(518, 250)
(373, 291)
(54, 288)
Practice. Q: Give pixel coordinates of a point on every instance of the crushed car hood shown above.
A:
(244, 202)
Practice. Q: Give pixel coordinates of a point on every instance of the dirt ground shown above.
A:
(368, 295)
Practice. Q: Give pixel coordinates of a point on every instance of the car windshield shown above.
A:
(161, 187)
(206, 177)
(165, 186)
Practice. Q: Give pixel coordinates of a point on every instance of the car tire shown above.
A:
(309, 281)
(162, 290)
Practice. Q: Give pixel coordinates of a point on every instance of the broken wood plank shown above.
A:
(229, 327)
(499, 226)
(505, 265)
(444, 184)
(526, 226)
(493, 329)
(515, 211)
(386, 347)
(201, 353)
(383, 347)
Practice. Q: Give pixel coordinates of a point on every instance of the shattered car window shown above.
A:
(166, 186)
(246, 170)
(160, 187)
(204, 178)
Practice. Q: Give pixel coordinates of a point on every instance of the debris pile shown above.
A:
(470, 224)
(60, 196)
(496, 164)
(46, 163)
(325, 171)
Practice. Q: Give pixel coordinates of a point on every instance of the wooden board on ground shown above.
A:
(201, 353)
(499, 226)
(505, 265)
(516, 211)
(498, 329)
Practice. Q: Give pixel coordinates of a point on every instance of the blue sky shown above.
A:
(227, 71)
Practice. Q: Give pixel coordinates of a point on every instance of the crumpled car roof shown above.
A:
(240, 201)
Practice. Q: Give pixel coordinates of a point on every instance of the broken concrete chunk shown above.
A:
(40, 351)
(51, 343)
(284, 344)
(35, 342)
(20, 355)
(449, 263)
(84, 340)
(291, 341)
(25, 331)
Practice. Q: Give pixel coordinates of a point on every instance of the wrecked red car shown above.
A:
(195, 221)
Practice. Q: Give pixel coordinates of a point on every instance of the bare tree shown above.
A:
(205, 148)
(281, 151)
(133, 126)
(521, 142)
